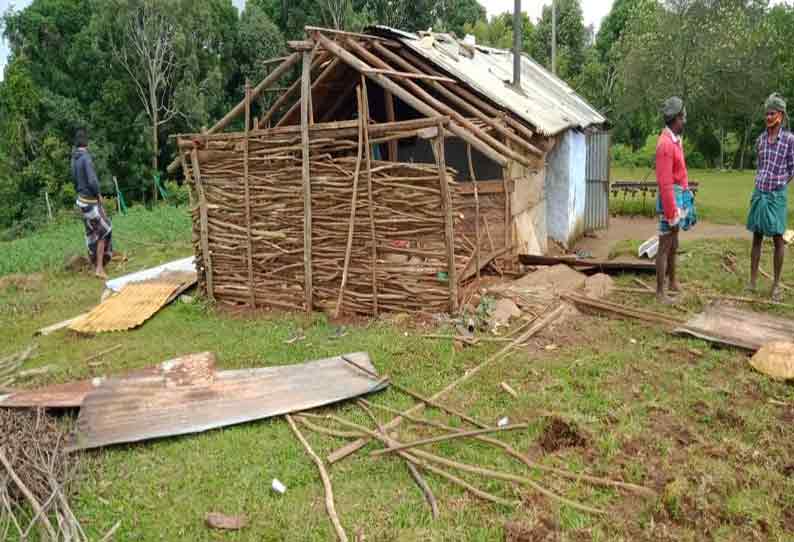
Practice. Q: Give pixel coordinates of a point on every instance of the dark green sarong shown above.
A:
(768, 212)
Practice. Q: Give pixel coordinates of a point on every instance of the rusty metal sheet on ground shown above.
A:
(71, 394)
(724, 324)
(136, 303)
(135, 409)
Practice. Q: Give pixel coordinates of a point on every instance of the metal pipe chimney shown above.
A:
(517, 40)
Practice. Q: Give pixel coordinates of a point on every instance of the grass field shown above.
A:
(723, 197)
(690, 421)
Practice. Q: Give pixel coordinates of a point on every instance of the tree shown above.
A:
(498, 32)
(570, 39)
(145, 47)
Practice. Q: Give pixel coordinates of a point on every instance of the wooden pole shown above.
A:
(204, 228)
(353, 203)
(118, 193)
(246, 181)
(307, 189)
(368, 151)
(476, 210)
(460, 102)
(459, 119)
(466, 134)
(329, 492)
(389, 99)
(446, 206)
(274, 76)
(326, 73)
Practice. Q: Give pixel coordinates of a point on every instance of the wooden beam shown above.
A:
(407, 75)
(301, 45)
(410, 99)
(491, 120)
(388, 99)
(364, 115)
(284, 97)
(326, 73)
(274, 76)
(312, 29)
(483, 187)
(353, 203)
(246, 181)
(446, 207)
(206, 257)
(459, 119)
(307, 189)
(464, 93)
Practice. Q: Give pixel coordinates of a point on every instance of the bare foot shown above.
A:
(675, 287)
(664, 300)
(101, 275)
(776, 294)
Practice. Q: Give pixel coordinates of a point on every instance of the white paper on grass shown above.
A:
(185, 265)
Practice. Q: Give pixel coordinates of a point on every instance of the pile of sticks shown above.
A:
(418, 460)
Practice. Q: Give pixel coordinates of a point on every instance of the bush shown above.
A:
(177, 194)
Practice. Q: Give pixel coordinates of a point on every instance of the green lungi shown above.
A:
(768, 212)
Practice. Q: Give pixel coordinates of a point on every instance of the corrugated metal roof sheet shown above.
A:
(547, 102)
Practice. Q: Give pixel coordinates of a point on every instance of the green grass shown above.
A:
(45, 251)
(700, 430)
(723, 196)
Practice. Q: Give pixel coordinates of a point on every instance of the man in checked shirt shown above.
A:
(769, 203)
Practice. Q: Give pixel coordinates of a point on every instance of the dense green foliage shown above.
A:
(77, 63)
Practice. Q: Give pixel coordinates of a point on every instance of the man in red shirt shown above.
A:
(674, 203)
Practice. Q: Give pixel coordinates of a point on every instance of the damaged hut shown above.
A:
(392, 171)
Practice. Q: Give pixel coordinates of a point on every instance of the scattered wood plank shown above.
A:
(216, 520)
(604, 266)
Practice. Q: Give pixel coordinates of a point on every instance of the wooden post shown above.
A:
(353, 203)
(205, 248)
(246, 180)
(368, 151)
(118, 194)
(476, 210)
(307, 188)
(446, 205)
(389, 98)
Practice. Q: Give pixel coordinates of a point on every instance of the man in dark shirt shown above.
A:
(98, 229)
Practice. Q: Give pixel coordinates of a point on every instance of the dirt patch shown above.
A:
(76, 263)
(730, 419)
(623, 228)
(21, 281)
(543, 530)
(787, 415)
(788, 470)
(559, 434)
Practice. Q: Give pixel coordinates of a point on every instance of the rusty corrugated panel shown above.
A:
(136, 409)
(724, 324)
(136, 303)
(71, 394)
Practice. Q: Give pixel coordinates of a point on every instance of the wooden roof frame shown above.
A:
(401, 74)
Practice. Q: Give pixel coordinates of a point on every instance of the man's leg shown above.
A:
(672, 259)
(662, 260)
(100, 259)
(755, 260)
(780, 250)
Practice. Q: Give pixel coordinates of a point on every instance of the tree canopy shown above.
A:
(76, 63)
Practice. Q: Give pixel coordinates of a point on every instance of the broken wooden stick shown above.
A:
(417, 477)
(481, 471)
(329, 492)
(768, 276)
(505, 386)
(325, 431)
(448, 436)
(533, 329)
(102, 353)
(34, 504)
(595, 480)
(420, 397)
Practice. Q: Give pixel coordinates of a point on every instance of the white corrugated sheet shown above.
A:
(545, 101)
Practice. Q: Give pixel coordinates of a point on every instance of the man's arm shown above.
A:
(664, 178)
(90, 175)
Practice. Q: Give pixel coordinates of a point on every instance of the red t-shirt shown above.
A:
(670, 170)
